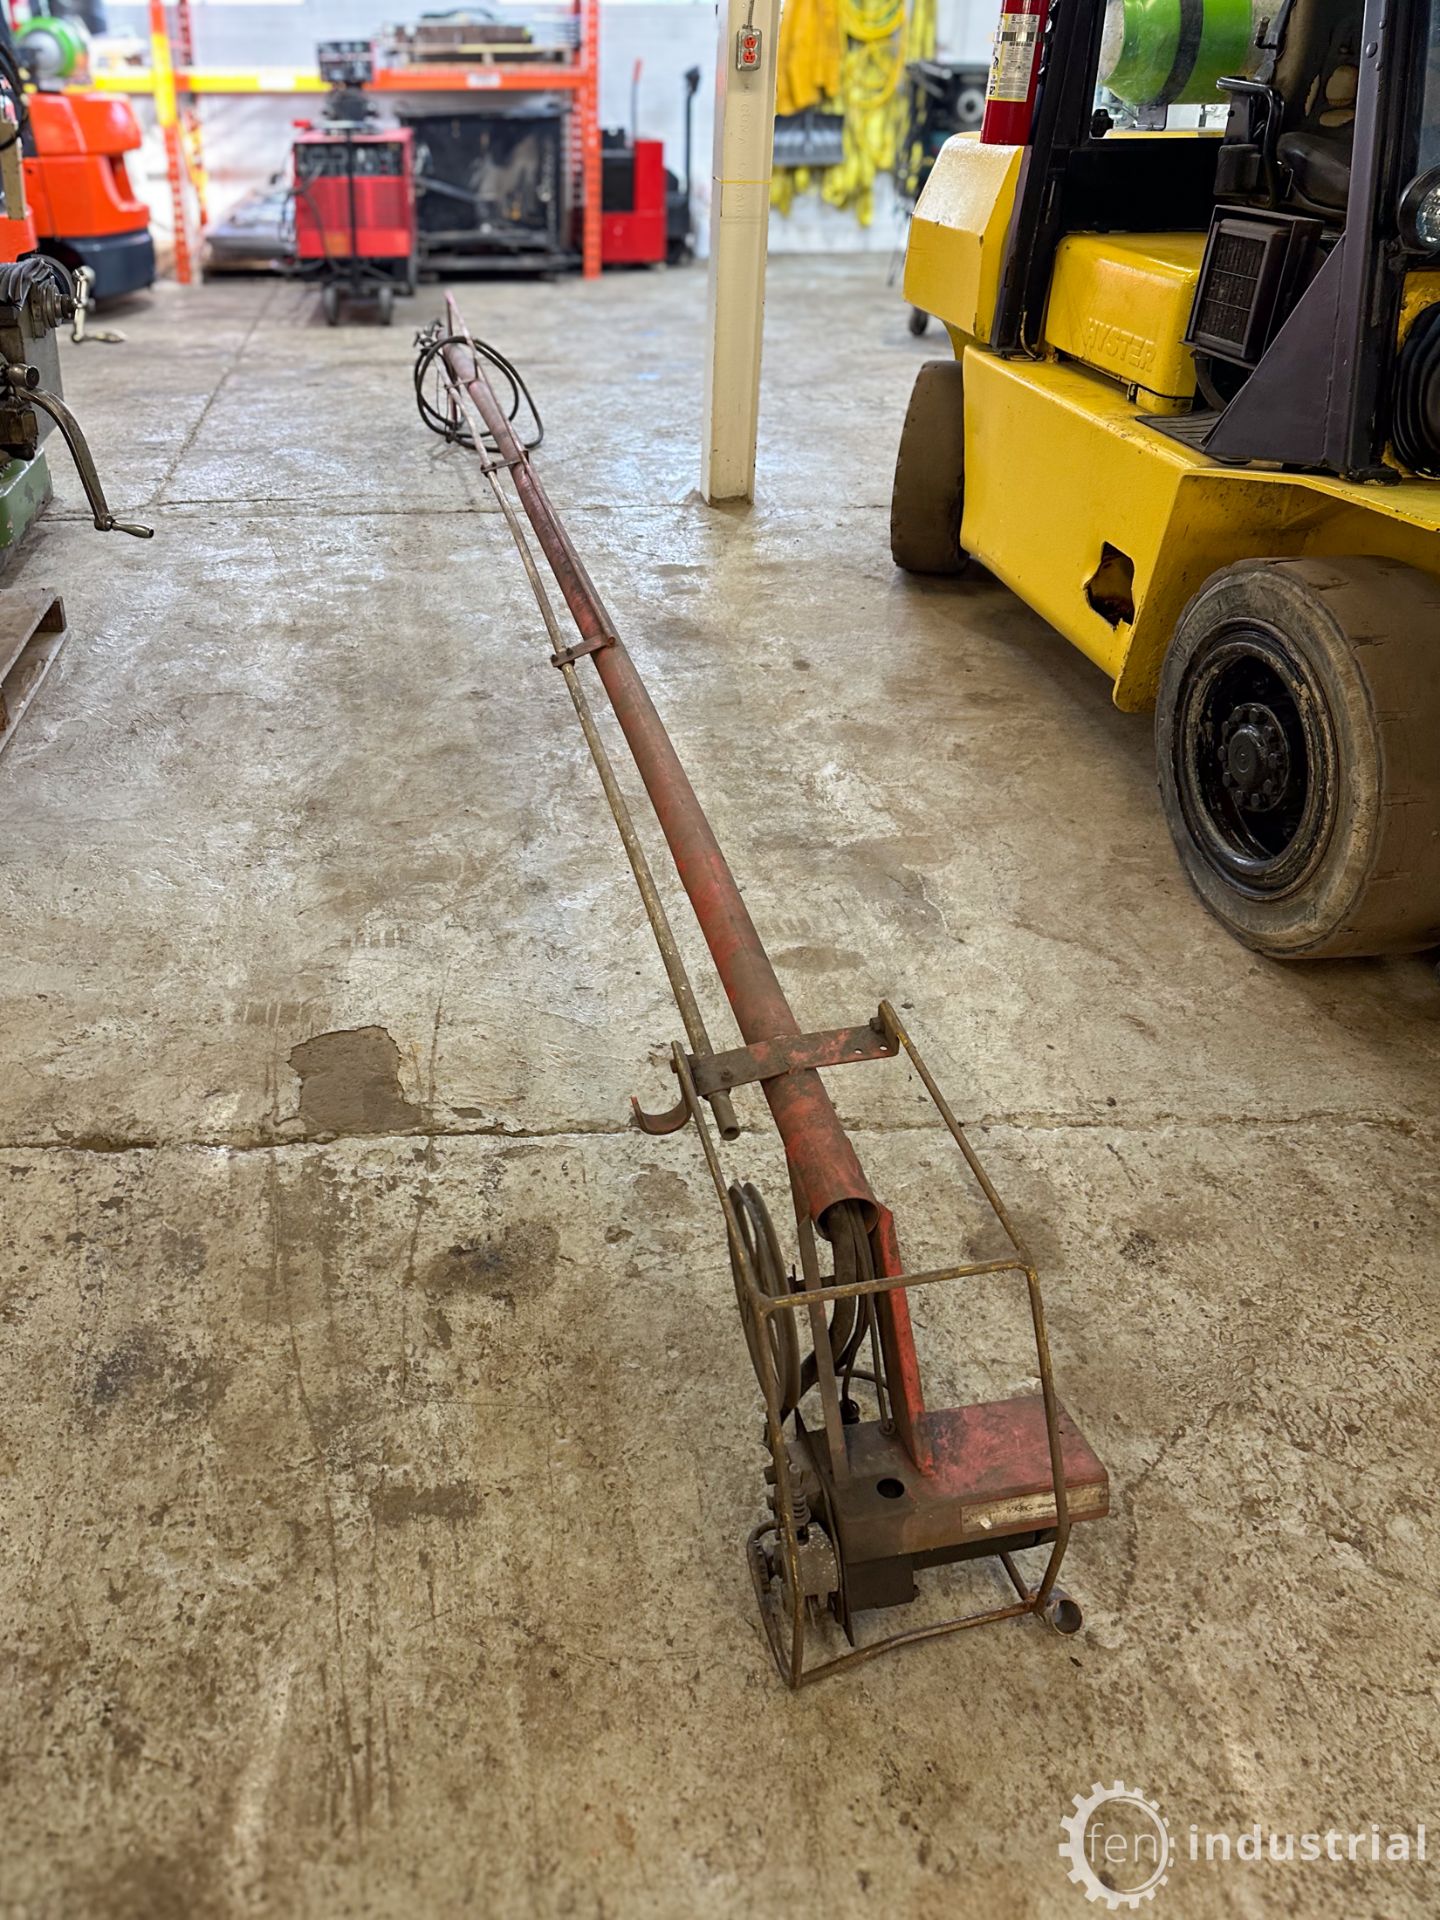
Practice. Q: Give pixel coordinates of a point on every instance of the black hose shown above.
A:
(1416, 424)
(431, 345)
(854, 1260)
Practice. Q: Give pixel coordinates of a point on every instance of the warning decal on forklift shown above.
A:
(1014, 56)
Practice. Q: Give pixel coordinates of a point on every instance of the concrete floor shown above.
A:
(378, 1435)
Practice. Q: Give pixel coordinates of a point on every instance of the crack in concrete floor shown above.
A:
(1402, 1125)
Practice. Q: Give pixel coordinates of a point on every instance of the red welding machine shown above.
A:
(355, 212)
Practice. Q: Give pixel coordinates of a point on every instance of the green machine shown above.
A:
(37, 297)
(25, 492)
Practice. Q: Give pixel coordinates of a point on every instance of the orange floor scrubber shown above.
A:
(85, 210)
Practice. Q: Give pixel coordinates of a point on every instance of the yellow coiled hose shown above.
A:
(848, 56)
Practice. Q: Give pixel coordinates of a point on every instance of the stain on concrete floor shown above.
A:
(350, 1083)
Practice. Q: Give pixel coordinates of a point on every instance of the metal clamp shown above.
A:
(567, 656)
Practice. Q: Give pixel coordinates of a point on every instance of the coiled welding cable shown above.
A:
(431, 345)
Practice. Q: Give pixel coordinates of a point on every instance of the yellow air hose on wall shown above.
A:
(849, 57)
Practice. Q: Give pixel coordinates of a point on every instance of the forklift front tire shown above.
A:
(1297, 733)
(929, 492)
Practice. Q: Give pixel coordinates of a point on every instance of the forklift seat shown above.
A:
(1318, 151)
(1319, 164)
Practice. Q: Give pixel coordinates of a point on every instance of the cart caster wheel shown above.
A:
(919, 321)
(330, 303)
(385, 305)
(1062, 1613)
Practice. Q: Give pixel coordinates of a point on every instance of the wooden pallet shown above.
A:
(32, 632)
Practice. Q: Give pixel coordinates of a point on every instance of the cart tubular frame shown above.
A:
(824, 1171)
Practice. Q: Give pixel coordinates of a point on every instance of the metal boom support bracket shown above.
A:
(715, 1073)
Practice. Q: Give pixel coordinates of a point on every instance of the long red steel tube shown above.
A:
(817, 1148)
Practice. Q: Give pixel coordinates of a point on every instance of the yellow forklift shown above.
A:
(1193, 419)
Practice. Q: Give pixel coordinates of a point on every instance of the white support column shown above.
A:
(739, 226)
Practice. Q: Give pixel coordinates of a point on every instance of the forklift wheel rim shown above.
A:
(1254, 752)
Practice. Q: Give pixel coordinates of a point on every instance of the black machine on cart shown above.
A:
(493, 182)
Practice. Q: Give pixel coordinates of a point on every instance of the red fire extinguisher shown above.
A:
(1014, 68)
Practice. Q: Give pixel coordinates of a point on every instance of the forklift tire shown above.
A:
(929, 491)
(919, 321)
(1298, 739)
(330, 303)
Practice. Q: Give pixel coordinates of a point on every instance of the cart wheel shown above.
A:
(919, 321)
(1296, 735)
(385, 304)
(330, 303)
(767, 1265)
(929, 492)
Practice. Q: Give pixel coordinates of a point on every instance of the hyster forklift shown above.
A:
(1193, 418)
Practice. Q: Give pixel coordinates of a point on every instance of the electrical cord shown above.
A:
(432, 344)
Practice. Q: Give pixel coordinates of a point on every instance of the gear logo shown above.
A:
(1116, 1835)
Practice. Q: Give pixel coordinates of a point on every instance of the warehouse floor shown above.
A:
(378, 1434)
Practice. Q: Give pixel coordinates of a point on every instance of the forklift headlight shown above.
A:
(1420, 213)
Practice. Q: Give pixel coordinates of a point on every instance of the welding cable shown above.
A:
(846, 1335)
(431, 346)
(867, 1326)
(844, 1224)
(807, 68)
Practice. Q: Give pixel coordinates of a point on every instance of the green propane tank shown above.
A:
(53, 49)
(1162, 53)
